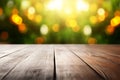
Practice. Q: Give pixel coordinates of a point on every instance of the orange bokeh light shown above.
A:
(110, 29)
(39, 40)
(1, 11)
(117, 13)
(15, 11)
(22, 28)
(4, 35)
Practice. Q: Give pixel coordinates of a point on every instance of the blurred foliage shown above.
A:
(60, 22)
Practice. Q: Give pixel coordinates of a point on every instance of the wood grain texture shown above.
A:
(105, 63)
(70, 67)
(8, 63)
(38, 66)
(60, 62)
(9, 49)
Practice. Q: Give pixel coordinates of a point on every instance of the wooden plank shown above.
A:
(101, 62)
(38, 66)
(9, 62)
(101, 51)
(113, 50)
(3, 47)
(8, 49)
(70, 67)
(104, 52)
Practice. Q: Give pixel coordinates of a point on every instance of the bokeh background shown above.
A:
(60, 21)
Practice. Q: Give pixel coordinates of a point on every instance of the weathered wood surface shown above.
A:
(60, 62)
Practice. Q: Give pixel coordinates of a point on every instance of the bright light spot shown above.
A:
(56, 27)
(25, 4)
(101, 14)
(22, 28)
(55, 5)
(92, 41)
(44, 29)
(101, 11)
(82, 6)
(68, 11)
(31, 10)
(87, 30)
(115, 21)
(16, 19)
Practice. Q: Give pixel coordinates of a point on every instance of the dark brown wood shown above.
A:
(107, 64)
(70, 67)
(60, 62)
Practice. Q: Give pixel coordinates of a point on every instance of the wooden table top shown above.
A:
(60, 62)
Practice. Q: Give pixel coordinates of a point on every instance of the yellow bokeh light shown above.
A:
(55, 27)
(93, 19)
(92, 40)
(38, 18)
(82, 6)
(44, 29)
(54, 5)
(101, 14)
(87, 30)
(30, 16)
(115, 21)
(101, 18)
(71, 23)
(16, 19)
(76, 29)
(22, 28)
(93, 7)
(38, 7)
